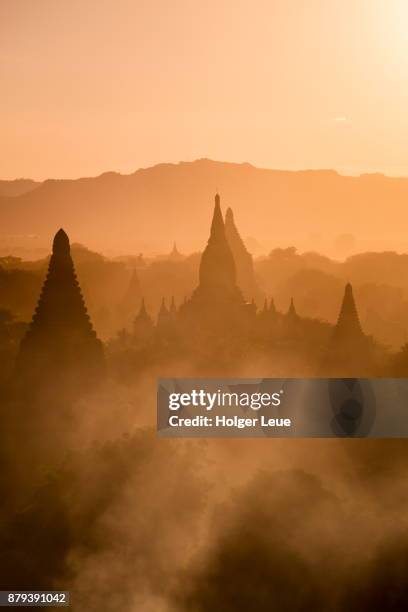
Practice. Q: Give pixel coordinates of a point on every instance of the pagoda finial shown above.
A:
(163, 308)
(272, 307)
(175, 254)
(143, 311)
(292, 310)
(265, 306)
(217, 224)
(143, 324)
(60, 245)
(229, 215)
(164, 316)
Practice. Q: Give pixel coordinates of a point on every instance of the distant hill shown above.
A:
(151, 208)
(17, 187)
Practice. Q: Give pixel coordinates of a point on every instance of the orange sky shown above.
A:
(95, 85)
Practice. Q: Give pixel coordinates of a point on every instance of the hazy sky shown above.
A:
(95, 85)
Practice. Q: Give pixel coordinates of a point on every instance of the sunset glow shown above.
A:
(116, 85)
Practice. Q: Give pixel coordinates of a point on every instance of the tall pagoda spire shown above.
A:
(350, 352)
(348, 323)
(217, 267)
(243, 259)
(143, 326)
(143, 319)
(291, 320)
(173, 308)
(264, 310)
(61, 302)
(164, 316)
(231, 230)
(291, 314)
(60, 336)
(217, 223)
(175, 254)
(217, 304)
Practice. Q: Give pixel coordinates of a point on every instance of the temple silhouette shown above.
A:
(60, 348)
(217, 304)
(215, 329)
(175, 254)
(349, 348)
(219, 324)
(348, 328)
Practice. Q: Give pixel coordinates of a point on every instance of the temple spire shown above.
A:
(175, 254)
(61, 303)
(143, 324)
(60, 341)
(265, 307)
(350, 352)
(143, 314)
(292, 314)
(348, 323)
(164, 315)
(242, 258)
(272, 307)
(163, 307)
(217, 224)
(217, 303)
(231, 229)
(173, 308)
(60, 245)
(217, 267)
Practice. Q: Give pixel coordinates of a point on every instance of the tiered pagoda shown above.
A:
(60, 347)
(350, 351)
(217, 302)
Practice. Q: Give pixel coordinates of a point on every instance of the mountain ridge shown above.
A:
(151, 207)
(18, 186)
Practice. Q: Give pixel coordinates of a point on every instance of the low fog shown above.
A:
(128, 521)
